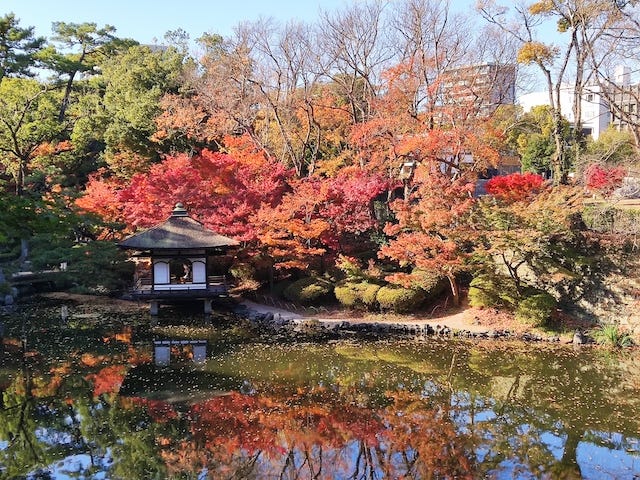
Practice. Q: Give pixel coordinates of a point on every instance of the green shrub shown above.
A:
(307, 290)
(492, 291)
(536, 309)
(612, 336)
(357, 294)
(399, 299)
(94, 267)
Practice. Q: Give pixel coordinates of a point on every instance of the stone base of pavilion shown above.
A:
(157, 297)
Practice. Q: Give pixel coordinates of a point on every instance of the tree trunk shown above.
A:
(455, 291)
(65, 99)
(20, 174)
(559, 160)
(568, 468)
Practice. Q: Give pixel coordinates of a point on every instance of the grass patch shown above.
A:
(611, 335)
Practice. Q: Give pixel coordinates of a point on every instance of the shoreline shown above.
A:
(465, 323)
(455, 325)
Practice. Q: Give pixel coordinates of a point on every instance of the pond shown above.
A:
(88, 402)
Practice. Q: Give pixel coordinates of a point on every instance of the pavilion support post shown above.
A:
(154, 307)
(208, 307)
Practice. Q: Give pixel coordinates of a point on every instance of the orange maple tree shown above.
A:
(319, 216)
(429, 238)
(318, 425)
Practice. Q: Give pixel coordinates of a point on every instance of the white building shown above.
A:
(596, 114)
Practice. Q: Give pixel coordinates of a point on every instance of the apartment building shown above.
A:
(625, 101)
(482, 87)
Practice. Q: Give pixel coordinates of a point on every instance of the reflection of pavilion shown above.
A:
(162, 350)
(178, 259)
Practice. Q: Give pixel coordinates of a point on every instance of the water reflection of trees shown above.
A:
(314, 434)
(300, 433)
(544, 404)
(527, 409)
(375, 411)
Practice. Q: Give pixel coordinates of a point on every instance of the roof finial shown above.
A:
(179, 210)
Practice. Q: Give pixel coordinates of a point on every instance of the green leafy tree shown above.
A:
(81, 48)
(17, 47)
(27, 120)
(537, 151)
(612, 149)
(134, 84)
(533, 138)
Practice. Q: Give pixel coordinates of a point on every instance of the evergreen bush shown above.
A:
(536, 309)
(357, 294)
(492, 290)
(95, 267)
(308, 289)
(243, 271)
(399, 299)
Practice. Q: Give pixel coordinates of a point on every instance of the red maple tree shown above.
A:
(221, 189)
(319, 216)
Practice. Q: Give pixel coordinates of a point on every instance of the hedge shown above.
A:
(492, 291)
(357, 294)
(308, 289)
(536, 309)
(399, 299)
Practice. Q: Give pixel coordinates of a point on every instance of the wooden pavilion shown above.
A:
(179, 259)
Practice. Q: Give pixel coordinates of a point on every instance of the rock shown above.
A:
(8, 299)
(579, 338)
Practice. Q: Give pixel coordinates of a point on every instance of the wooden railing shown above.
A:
(217, 280)
(215, 283)
(144, 283)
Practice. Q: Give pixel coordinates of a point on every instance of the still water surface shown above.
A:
(97, 406)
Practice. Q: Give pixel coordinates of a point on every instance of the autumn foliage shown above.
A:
(318, 216)
(514, 187)
(270, 428)
(108, 379)
(221, 189)
(428, 239)
(604, 179)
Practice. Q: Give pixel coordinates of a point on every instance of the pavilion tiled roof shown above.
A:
(178, 232)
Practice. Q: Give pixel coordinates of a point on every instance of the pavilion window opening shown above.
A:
(181, 271)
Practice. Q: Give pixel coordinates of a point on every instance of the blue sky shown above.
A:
(146, 20)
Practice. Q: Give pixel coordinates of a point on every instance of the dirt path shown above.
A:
(470, 319)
